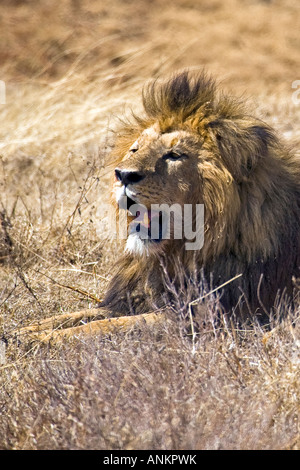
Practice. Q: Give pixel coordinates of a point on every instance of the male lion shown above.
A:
(193, 147)
(196, 147)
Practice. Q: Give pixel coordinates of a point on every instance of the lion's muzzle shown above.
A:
(127, 177)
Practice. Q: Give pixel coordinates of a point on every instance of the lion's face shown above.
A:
(158, 169)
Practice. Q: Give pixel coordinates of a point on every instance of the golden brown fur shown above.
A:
(232, 163)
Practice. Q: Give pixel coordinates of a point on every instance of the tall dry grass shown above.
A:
(71, 70)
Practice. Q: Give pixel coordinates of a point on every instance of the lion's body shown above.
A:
(195, 146)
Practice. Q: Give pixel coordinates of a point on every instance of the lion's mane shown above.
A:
(251, 195)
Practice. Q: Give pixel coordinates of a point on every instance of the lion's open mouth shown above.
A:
(146, 223)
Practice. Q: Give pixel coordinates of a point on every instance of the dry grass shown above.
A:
(238, 390)
(72, 67)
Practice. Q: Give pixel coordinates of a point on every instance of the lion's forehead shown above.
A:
(151, 132)
(167, 139)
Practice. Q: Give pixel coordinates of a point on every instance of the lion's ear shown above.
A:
(242, 144)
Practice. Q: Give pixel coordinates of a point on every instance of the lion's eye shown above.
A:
(133, 150)
(172, 155)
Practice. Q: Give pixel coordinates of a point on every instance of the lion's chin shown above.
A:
(142, 247)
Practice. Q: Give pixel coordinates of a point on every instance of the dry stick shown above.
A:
(84, 191)
(75, 289)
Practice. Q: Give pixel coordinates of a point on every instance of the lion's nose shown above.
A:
(128, 177)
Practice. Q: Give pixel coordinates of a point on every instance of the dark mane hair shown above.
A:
(189, 95)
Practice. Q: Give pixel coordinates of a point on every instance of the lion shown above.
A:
(194, 148)
(198, 147)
